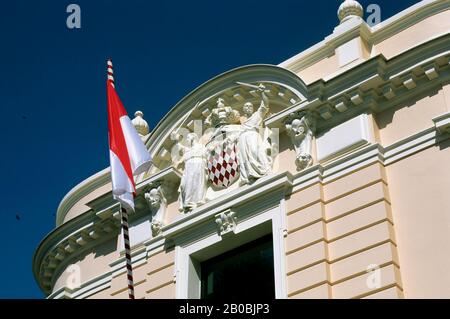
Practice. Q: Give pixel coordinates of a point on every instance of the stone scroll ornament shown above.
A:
(300, 128)
(158, 205)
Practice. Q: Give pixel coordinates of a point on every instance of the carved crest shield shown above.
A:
(223, 168)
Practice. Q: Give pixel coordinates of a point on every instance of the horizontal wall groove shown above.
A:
(363, 249)
(305, 206)
(305, 246)
(372, 292)
(160, 268)
(307, 266)
(359, 229)
(159, 286)
(388, 263)
(356, 190)
(308, 288)
(351, 211)
(126, 288)
(329, 263)
(325, 240)
(352, 172)
(306, 187)
(321, 219)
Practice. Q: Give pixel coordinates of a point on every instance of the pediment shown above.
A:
(283, 88)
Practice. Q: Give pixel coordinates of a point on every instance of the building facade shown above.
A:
(329, 173)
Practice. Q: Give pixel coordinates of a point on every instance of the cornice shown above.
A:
(442, 123)
(326, 48)
(375, 85)
(79, 191)
(372, 35)
(87, 230)
(407, 18)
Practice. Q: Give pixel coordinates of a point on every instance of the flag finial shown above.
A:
(110, 71)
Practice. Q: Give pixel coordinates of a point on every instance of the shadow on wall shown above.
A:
(105, 248)
(386, 117)
(444, 144)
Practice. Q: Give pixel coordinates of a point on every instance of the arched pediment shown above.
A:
(283, 88)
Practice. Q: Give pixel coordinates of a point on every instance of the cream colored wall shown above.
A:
(172, 212)
(80, 207)
(420, 186)
(415, 34)
(411, 117)
(446, 94)
(92, 263)
(394, 45)
(397, 217)
(335, 231)
(154, 279)
(286, 156)
(320, 69)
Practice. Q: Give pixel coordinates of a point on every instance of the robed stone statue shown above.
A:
(252, 155)
(193, 182)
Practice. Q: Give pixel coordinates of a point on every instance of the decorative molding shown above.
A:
(442, 123)
(373, 35)
(226, 222)
(344, 137)
(255, 226)
(81, 190)
(86, 289)
(422, 69)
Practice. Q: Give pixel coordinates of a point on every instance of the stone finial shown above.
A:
(348, 9)
(140, 124)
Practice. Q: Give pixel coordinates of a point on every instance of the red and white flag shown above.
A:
(128, 155)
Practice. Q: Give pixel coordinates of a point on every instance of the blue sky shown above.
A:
(52, 88)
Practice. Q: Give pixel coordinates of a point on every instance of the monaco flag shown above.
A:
(128, 154)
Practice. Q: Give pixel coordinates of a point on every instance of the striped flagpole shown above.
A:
(124, 216)
(126, 241)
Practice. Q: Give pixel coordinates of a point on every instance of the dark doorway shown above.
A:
(242, 273)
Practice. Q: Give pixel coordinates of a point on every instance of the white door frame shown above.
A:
(186, 268)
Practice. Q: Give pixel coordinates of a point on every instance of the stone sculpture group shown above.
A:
(237, 151)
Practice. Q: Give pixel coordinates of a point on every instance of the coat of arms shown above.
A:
(223, 166)
(235, 150)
